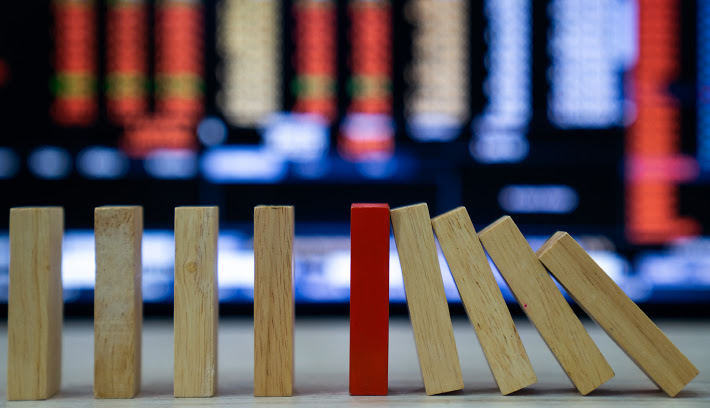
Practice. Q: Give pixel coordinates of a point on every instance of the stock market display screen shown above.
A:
(588, 116)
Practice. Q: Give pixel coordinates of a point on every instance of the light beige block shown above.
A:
(604, 301)
(484, 301)
(118, 301)
(426, 299)
(273, 301)
(196, 301)
(35, 304)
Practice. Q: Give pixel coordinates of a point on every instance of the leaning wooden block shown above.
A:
(273, 301)
(608, 305)
(369, 298)
(545, 306)
(196, 301)
(35, 305)
(118, 302)
(483, 301)
(426, 299)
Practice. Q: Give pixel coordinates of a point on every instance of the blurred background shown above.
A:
(590, 116)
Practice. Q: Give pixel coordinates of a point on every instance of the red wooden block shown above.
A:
(369, 298)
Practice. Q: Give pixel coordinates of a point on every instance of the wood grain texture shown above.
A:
(118, 301)
(196, 301)
(369, 298)
(426, 299)
(273, 301)
(35, 304)
(483, 301)
(545, 306)
(604, 301)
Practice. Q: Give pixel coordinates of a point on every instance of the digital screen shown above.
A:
(588, 116)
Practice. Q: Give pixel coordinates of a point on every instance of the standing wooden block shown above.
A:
(483, 301)
(545, 306)
(35, 304)
(369, 298)
(196, 301)
(273, 301)
(118, 302)
(428, 308)
(608, 305)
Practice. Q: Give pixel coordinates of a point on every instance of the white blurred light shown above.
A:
(236, 268)
(612, 263)
(9, 163)
(297, 137)
(499, 146)
(212, 131)
(50, 162)
(78, 260)
(244, 164)
(102, 163)
(434, 127)
(171, 164)
(541, 199)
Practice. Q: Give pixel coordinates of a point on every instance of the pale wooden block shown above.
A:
(118, 301)
(484, 301)
(196, 301)
(426, 299)
(35, 304)
(624, 322)
(545, 306)
(273, 301)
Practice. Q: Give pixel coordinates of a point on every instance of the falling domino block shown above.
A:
(369, 298)
(483, 301)
(196, 301)
(273, 301)
(545, 306)
(34, 322)
(428, 308)
(603, 300)
(118, 302)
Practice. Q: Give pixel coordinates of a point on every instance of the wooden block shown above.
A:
(273, 301)
(369, 298)
(608, 305)
(483, 301)
(118, 302)
(545, 306)
(196, 301)
(35, 304)
(426, 299)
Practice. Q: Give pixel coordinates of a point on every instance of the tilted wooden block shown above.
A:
(608, 305)
(35, 304)
(118, 302)
(545, 306)
(369, 298)
(273, 301)
(196, 301)
(483, 301)
(426, 299)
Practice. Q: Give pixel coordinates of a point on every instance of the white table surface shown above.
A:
(321, 376)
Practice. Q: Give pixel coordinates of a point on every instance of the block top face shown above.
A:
(502, 220)
(559, 235)
(34, 208)
(449, 213)
(408, 207)
(370, 205)
(194, 207)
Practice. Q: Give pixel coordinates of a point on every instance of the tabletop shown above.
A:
(321, 369)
